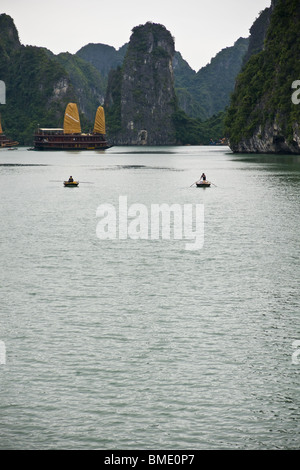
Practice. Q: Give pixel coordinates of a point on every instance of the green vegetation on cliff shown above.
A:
(9, 39)
(207, 92)
(103, 57)
(191, 131)
(112, 103)
(258, 32)
(30, 78)
(39, 85)
(89, 85)
(262, 97)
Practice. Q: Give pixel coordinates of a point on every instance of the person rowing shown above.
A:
(202, 178)
(202, 181)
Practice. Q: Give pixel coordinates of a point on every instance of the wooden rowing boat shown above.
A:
(203, 184)
(71, 184)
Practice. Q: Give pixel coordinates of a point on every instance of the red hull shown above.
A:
(57, 140)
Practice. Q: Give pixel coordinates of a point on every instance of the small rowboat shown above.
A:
(203, 184)
(71, 184)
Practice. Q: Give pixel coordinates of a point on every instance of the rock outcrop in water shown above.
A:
(140, 99)
(262, 116)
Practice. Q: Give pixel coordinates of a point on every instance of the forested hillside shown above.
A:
(262, 116)
(207, 92)
(103, 57)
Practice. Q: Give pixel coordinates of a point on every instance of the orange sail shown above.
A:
(1, 131)
(72, 121)
(99, 126)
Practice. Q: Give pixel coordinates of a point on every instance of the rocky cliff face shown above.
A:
(140, 98)
(262, 116)
(258, 33)
(270, 138)
(9, 44)
(9, 39)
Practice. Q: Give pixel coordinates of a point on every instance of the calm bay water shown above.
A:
(141, 344)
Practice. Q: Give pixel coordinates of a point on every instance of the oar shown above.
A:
(193, 184)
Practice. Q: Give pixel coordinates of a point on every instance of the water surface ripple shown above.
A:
(141, 344)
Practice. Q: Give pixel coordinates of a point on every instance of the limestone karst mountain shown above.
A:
(141, 95)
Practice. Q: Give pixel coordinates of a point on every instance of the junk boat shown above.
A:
(70, 137)
(5, 142)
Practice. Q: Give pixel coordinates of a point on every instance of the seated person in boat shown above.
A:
(71, 179)
(203, 177)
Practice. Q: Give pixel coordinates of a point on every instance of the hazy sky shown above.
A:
(201, 28)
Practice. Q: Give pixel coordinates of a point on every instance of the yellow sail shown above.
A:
(99, 126)
(72, 121)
